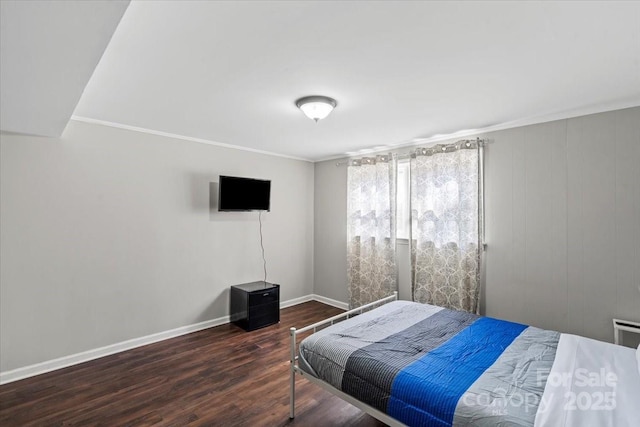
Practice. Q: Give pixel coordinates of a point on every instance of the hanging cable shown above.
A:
(264, 260)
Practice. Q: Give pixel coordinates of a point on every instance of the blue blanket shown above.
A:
(415, 362)
(427, 391)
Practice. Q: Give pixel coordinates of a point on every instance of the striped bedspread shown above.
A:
(428, 366)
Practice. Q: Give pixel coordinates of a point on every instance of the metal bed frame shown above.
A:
(294, 368)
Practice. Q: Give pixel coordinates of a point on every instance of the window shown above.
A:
(403, 227)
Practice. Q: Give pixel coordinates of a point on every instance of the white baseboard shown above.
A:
(329, 301)
(296, 301)
(85, 356)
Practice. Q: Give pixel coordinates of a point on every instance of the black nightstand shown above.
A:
(255, 305)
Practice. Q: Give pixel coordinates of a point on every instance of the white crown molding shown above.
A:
(564, 115)
(182, 137)
(85, 356)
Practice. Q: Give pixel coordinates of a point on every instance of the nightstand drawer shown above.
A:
(263, 297)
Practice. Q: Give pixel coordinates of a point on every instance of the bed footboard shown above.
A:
(293, 332)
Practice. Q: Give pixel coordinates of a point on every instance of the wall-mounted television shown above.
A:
(243, 194)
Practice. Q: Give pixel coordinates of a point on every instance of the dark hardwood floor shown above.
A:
(221, 376)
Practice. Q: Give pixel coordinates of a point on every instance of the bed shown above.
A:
(420, 365)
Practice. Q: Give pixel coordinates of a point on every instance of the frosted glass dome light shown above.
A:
(316, 107)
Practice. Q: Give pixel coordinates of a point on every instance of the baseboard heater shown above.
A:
(620, 326)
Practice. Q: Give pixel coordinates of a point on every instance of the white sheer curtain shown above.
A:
(371, 229)
(446, 211)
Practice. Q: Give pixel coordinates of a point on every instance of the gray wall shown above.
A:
(562, 224)
(330, 231)
(107, 235)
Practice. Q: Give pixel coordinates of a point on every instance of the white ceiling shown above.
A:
(230, 72)
(48, 51)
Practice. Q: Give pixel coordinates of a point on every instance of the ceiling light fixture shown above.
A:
(316, 107)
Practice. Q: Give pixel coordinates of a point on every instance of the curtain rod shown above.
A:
(407, 155)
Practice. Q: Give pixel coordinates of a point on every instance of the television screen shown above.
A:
(243, 194)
